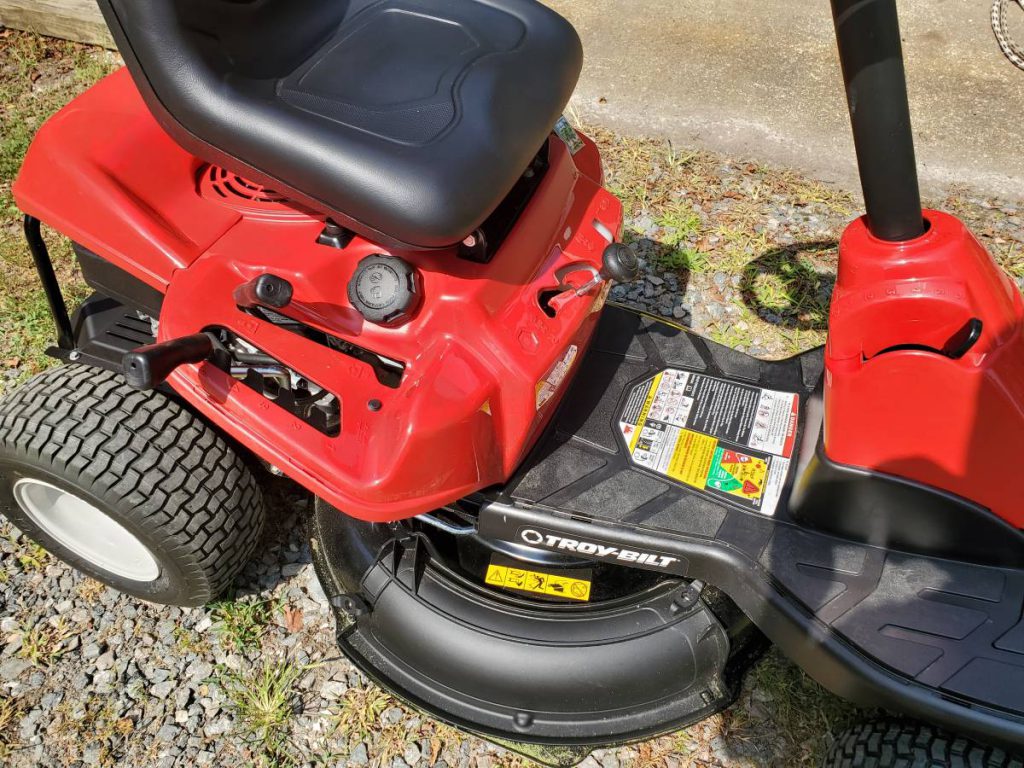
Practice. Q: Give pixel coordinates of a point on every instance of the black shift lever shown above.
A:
(148, 367)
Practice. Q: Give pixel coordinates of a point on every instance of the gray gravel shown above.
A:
(133, 684)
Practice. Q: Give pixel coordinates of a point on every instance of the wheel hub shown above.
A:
(85, 530)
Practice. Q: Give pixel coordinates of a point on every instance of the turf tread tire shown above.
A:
(896, 744)
(166, 475)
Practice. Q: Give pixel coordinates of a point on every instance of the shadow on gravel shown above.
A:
(666, 269)
(284, 549)
(785, 286)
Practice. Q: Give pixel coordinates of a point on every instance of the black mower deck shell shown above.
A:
(499, 667)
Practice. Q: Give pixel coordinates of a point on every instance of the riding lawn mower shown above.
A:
(355, 242)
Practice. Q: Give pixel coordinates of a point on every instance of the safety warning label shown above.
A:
(721, 437)
(572, 585)
(549, 385)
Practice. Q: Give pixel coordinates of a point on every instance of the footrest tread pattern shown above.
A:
(954, 628)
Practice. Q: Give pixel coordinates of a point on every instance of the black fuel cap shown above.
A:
(385, 290)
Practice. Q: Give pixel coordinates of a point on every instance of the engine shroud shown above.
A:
(476, 359)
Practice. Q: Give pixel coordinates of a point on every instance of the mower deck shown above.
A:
(938, 639)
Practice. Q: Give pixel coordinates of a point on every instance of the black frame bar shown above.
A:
(871, 55)
(54, 297)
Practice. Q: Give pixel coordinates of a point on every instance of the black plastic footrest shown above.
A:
(939, 639)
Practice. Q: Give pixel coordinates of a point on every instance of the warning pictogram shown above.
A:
(535, 582)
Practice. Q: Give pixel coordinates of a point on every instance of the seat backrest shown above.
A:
(177, 50)
(164, 36)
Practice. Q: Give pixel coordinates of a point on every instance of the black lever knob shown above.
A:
(265, 291)
(148, 367)
(620, 263)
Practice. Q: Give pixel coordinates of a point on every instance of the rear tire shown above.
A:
(128, 487)
(893, 744)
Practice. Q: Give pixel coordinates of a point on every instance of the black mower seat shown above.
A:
(404, 120)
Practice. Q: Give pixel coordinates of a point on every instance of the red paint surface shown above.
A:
(105, 174)
(953, 424)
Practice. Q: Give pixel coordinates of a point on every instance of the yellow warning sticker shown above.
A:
(738, 474)
(510, 577)
(728, 439)
(645, 411)
(692, 458)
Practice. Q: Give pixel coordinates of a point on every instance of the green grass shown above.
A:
(188, 641)
(241, 624)
(357, 716)
(683, 260)
(265, 701)
(678, 224)
(43, 643)
(37, 77)
(31, 556)
(791, 284)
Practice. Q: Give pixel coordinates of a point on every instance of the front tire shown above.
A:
(893, 744)
(128, 487)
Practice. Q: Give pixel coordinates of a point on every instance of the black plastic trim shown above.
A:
(819, 651)
(109, 280)
(434, 643)
(903, 515)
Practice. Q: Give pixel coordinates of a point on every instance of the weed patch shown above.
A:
(241, 624)
(10, 714)
(265, 701)
(45, 642)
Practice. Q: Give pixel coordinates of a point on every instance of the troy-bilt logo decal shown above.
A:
(535, 538)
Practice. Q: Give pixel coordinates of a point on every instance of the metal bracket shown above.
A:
(54, 297)
(569, 269)
(352, 606)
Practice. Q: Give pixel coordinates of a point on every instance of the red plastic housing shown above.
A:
(476, 354)
(894, 406)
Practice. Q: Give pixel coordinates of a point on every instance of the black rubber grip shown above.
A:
(620, 263)
(267, 290)
(148, 367)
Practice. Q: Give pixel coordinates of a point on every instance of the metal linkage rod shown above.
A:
(41, 257)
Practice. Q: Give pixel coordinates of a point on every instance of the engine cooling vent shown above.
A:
(230, 189)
